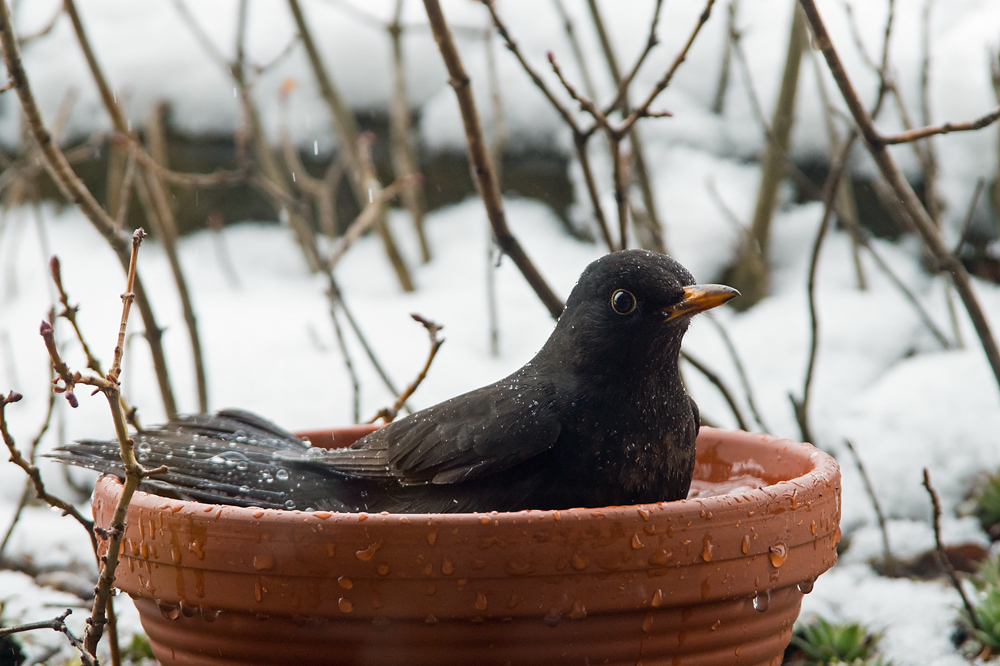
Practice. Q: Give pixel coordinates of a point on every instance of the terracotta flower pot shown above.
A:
(715, 579)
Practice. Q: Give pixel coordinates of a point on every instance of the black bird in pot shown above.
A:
(598, 417)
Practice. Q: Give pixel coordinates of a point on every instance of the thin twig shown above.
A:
(58, 624)
(862, 237)
(351, 372)
(829, 194)
(367, 217)
(35, 475)
(946, 128)
(942, 554)
(719, 384)
(643, 109)
(651, 42)
(915, 211)
(479, 158)
(389, 414)
(969, 214)
(724, 334)
(888, 560)
(74, 190)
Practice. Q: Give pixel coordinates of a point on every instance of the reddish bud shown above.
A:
(45, 329)
(71, 399)
(13, 396)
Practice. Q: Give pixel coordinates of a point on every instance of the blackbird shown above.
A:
(598, 417)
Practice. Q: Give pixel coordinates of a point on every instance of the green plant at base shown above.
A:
(826, 643)
(987, 501)
(987, 614)
(139, 650)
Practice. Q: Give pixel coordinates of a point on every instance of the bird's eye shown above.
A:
(622, 302)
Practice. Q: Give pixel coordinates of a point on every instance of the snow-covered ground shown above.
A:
(882, 380)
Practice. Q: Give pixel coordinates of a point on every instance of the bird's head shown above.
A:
(631, 308)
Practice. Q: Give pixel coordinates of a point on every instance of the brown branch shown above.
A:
(907, 197)
(75, 191)
(513, 47)
(719, 384)
(942, 555)
(585, 104)
(33, 473)
(946, 128)
(367, 217)
(651, 42)
(643, 109)
(480, 161)
(829, 195)
(87, 658)
(888, 560)
(969, 214)
(389, 414)
(747, 390)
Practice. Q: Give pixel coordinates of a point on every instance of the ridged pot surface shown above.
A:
(714, 579)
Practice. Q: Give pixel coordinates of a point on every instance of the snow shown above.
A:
(881, 380)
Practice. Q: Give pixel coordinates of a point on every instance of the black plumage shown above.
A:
(598, 417)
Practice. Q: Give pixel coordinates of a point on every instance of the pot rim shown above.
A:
(824, 469)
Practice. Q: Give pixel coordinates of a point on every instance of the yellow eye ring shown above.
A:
(623, 302)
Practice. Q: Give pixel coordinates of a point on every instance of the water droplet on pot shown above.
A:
(447, 568)
(806, 586)
(636, 544)
(263, 562)
(209, 614)
(432, 537)
(169, 611)
(345, 605)
(647, 622)
(659, 558)
(745, 546)
(657, 599)
(368, 553)
(552, 617)
(480, 601)
(579, 560)
(762, 600)
(431, 620)
(706, 548)
(345, 582)
(383, 569)
(716, 625)
(579, 611)
(778, 553)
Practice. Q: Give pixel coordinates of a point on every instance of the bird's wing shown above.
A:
(470, 436)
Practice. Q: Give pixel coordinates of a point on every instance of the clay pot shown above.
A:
(715, 579)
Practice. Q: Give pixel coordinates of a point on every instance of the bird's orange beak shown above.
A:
(700, 297)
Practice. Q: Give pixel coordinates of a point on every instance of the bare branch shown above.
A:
(942, 555)
(643, 109)
(389, 414)
(87, 658)
(946, 128)
(907, 197)
(719, 384)
(479, 157)
(888, 560)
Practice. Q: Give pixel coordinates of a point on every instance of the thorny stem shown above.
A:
(943, 555)
(479, 158)
(915, 211)
(389, 414)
